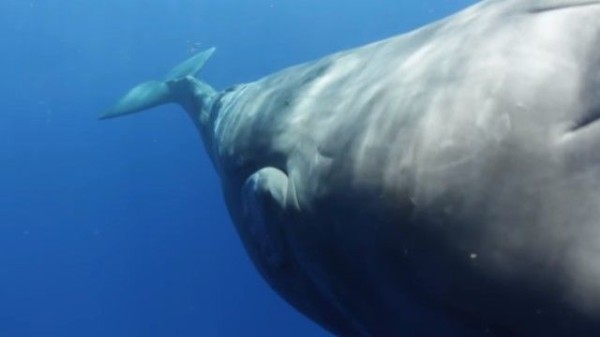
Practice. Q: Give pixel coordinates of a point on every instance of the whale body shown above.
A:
(444, 182)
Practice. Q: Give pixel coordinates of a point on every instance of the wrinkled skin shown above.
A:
(445, 182)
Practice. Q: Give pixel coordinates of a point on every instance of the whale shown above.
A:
(442, 182)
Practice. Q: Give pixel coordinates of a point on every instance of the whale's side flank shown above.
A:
(447, 175)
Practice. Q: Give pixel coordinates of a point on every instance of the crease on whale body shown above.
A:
(447, 175)
(549, 6)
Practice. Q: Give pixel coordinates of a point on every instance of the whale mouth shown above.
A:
(585, 121)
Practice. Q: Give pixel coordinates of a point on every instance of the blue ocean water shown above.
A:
(117, 228)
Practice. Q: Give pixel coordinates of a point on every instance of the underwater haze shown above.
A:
(118, 228)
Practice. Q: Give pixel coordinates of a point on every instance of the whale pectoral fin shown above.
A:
(178, 86)
(264, 197)
(268, 200)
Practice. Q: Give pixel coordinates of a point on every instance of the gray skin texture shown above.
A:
(445, 182)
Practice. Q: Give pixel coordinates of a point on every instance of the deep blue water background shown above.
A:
(118, 228)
